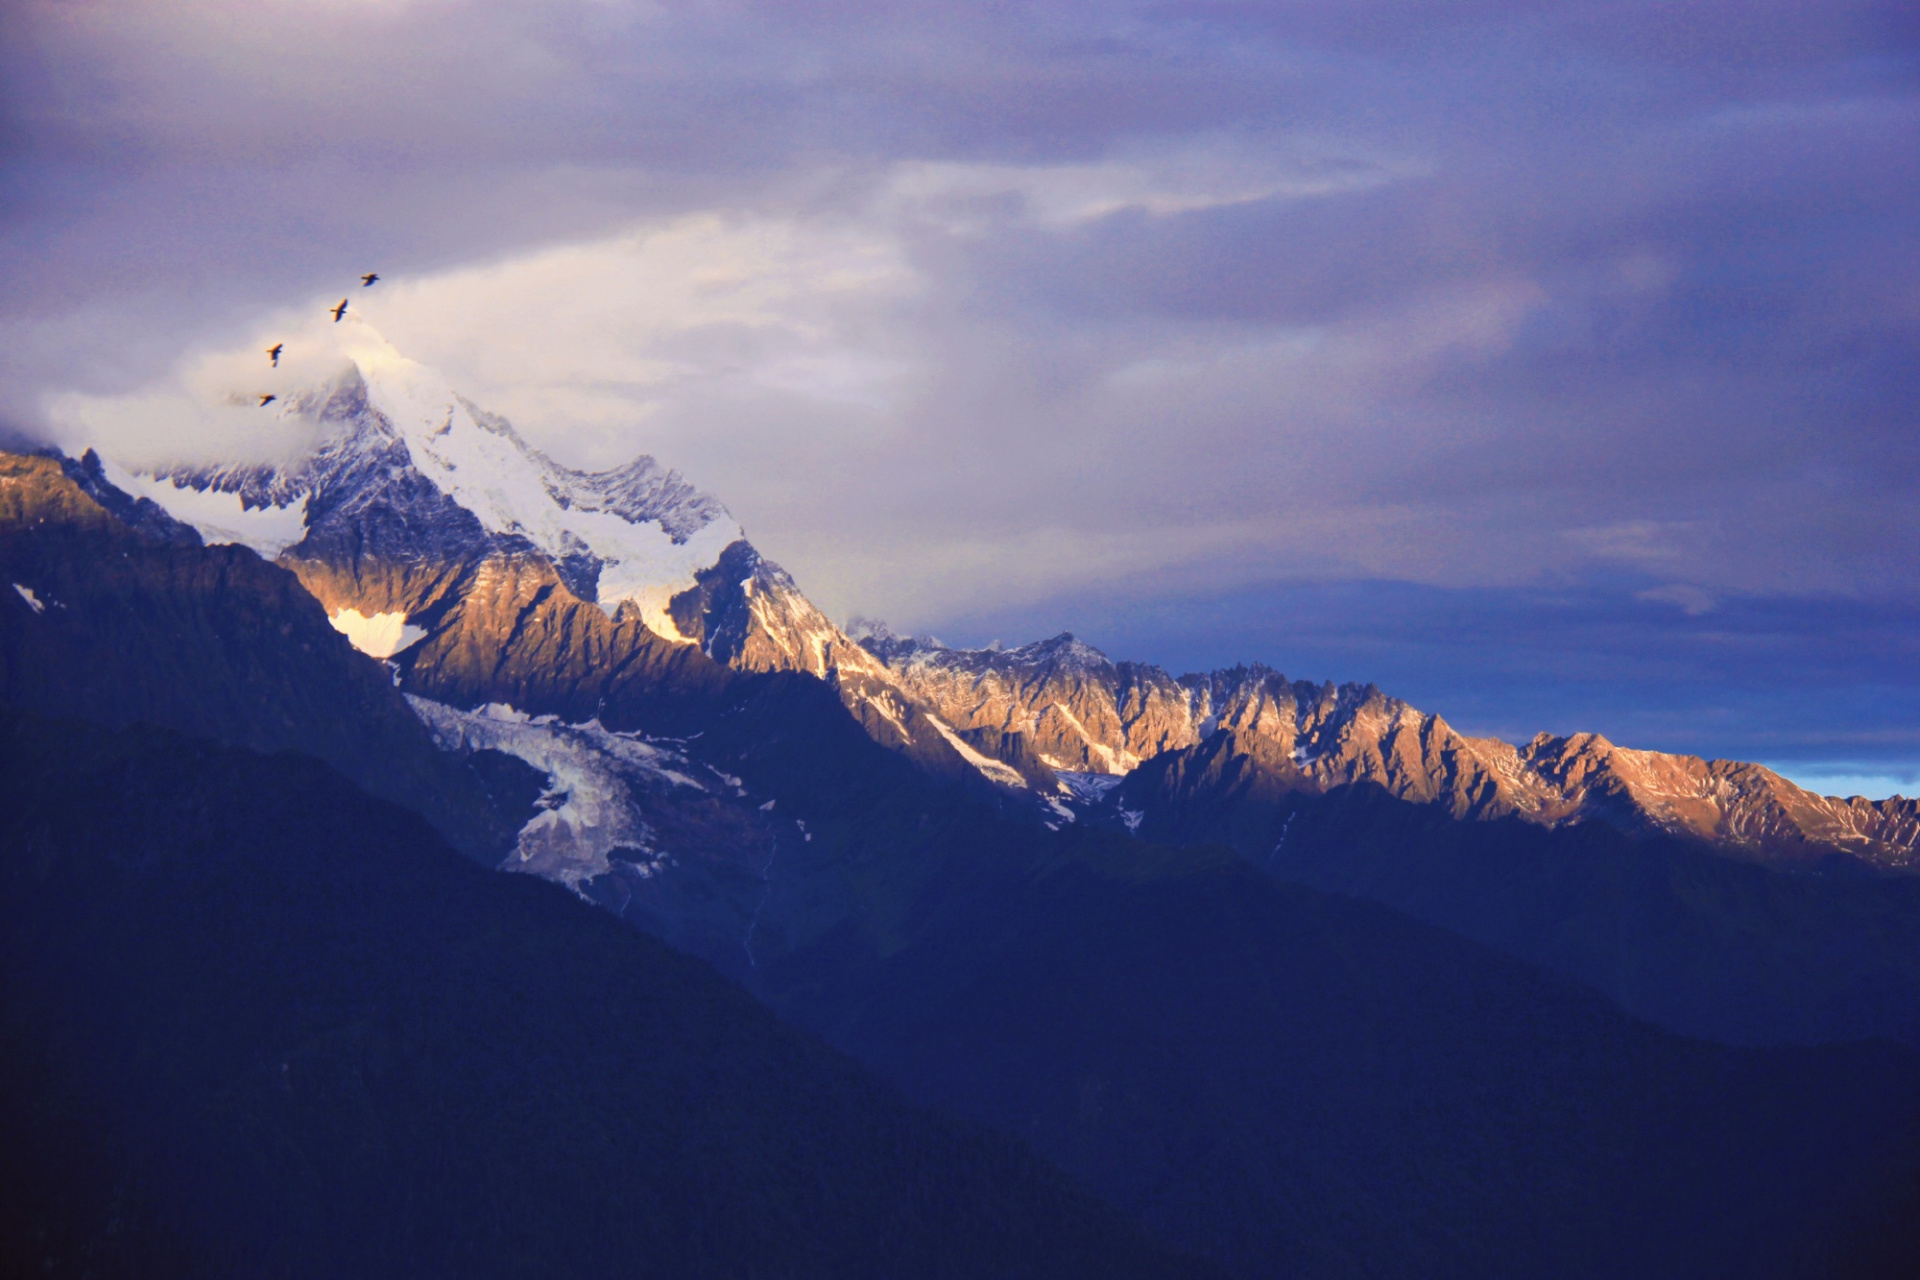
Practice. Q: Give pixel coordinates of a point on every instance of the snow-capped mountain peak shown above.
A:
(439, 539)
(393, 435)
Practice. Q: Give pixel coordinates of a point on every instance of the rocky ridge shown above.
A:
(1080, 713)
(1003, 996)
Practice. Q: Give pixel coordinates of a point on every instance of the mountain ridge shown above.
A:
(909, 919)
(434, 534)
(1082, 712)
(440, 540)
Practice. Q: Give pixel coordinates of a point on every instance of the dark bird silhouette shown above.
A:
(267, 400)
(368, 279)
(339, 310)
(273, 353)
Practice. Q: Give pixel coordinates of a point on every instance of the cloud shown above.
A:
(1853, 778)
(965, 311)
(1691, 600)
(209, 408)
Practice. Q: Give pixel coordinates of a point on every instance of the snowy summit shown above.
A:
(407, 468)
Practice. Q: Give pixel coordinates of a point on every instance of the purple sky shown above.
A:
(1553, 365)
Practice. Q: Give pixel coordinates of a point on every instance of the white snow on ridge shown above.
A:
(221, 519)
(490, 472)
(379, 636)
(33, 601)
(994, 770)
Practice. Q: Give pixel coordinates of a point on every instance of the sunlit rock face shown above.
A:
(1084, 714)
(1736, 805)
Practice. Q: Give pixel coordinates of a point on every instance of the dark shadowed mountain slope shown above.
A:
(1665, 925)
(257, 1023)
(804, 823)
(1275, 1077)
(1301, 1084)
(120, 624)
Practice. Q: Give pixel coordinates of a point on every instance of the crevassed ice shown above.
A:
(379, 636)
(1087, 788)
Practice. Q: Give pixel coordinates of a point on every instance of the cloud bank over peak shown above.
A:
(974, 314)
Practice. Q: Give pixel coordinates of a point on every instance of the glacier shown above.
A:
(595, 779)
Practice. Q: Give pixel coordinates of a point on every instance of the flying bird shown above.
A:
(339, 310)
(368, 279)
(267, 400)
(273, 353)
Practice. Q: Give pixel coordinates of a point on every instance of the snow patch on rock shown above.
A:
(1088, 788)
(380, 636)
(993, 770)
(482, 464)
